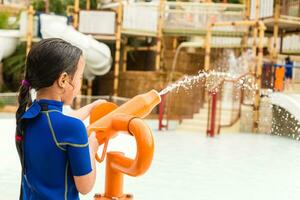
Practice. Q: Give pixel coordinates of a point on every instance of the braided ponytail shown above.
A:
(24, 100)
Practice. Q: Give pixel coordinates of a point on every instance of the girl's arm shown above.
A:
(85, 183)
(84, 112)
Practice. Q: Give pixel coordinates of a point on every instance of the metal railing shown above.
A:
(218, 100)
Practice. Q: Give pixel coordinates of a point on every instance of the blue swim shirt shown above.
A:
(55, 149)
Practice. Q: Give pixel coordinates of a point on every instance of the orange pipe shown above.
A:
(117, 164)
(106, 120)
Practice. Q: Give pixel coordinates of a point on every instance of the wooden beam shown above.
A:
(76, 14)
(207, 48)
(29, 29)
(276, 30)
(159, 34)
(258, 74)
(88, 4)
(118, 48)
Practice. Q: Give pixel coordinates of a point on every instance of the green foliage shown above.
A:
(38, 5)
(4, 21)
(234, 1)
(2, 103)
(13, 68)
(59, 7)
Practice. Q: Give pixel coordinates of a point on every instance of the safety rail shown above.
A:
(216, 105)
(216, 97)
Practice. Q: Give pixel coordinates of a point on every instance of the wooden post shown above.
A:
(257, 92)
(124, 59)
(174, 43)
(89, 90)
(247, 9)
(207, 47)
(159, 33)
(247, 17)
(118, 47)
(75, 25)
(29, 29)
(88, 4)
(258, 78)
(276, 30)
(89, 81)
(255, 32)
(76, 14)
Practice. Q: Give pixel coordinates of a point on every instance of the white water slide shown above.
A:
(290, 102)
(8, 42)
(97, 54)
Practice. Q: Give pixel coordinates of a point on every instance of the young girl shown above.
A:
(57, 156)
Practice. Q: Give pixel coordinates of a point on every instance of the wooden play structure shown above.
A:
(281, 18)
(199, 25)
(167, 19)
(171, 19)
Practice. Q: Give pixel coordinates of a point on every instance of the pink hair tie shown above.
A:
(25, 83)
(19, 138)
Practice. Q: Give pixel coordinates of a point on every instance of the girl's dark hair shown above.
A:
(45, 62)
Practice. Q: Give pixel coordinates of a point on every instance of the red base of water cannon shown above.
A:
(123, 197)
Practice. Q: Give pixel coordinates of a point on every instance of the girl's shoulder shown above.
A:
(68, 129)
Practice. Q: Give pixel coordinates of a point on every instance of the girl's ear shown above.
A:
(62, 80)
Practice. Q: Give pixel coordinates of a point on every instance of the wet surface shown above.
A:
(190, 166)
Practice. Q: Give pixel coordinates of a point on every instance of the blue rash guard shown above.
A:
(55, 149)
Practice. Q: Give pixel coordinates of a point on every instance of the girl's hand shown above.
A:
(93, 142)
(84, 112)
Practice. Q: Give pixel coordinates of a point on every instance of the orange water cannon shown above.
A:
(107, 120)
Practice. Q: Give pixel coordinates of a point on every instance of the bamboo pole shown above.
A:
(235, 23)
(153, 48)
(247, 9)
(256, 18)
(256, 67)
(89, 90)
(254, 45)
(258, 77)
(174, 43)
(89, 81)
(118, 46)
(207, 48)
(29, 29)
(88, 4)
(76, 13)
(275, 30)
(124, 59)
(247, 17)
(75, 25)
(255, 32)
(159, 34)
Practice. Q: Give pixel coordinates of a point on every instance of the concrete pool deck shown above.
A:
(187, 165)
